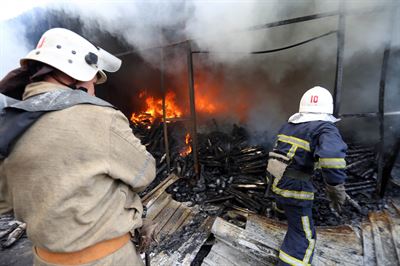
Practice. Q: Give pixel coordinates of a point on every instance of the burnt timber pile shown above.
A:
(232, 174)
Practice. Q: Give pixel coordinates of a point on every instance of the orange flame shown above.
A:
(154, 108)
(188, 148)
(207, 101)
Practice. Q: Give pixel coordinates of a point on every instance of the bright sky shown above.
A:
(10, 9)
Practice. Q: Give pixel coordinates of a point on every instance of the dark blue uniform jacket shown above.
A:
(310, 145)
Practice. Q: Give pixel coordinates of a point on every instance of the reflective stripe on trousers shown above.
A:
(298, 245)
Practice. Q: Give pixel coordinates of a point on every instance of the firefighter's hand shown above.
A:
(336, 195)
(146, 235)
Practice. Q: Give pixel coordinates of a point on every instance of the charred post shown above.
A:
(193, 110)
(382, 179)
(166, 143)
(339, 59)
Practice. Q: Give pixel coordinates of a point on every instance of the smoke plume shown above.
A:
(263, 90)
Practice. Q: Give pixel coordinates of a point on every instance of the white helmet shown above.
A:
(74, 55)
(316, 100)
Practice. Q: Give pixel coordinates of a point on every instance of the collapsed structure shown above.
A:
(222, 175)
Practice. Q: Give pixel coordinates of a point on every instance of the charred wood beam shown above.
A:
(382, 169)
(245, 199)
(360, 155)
(193, 109)
(339, 59)
(357, 163)
(249, 186)
(161, 168)
(355, 184)
(165, 127)
(388, 163)
(367, 172)
(359, 188)
(218, 199)
(360, 150)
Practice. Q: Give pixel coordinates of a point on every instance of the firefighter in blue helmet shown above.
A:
(309, 140)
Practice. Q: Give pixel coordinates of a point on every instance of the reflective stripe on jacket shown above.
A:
(309, 145)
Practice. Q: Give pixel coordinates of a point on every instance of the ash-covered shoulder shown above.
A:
(58, 100)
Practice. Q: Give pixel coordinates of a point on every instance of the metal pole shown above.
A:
(381, 179)
(193, 109)
(166, 142)
(339, 59)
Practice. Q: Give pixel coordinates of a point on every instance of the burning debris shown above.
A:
(154, 108)
(233, 173)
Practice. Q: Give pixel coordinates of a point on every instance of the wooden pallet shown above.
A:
(173, 218)
(376, 242)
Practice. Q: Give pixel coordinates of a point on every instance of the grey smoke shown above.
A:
(275, 82)
(12, 45)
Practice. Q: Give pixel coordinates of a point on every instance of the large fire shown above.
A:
(154, 108)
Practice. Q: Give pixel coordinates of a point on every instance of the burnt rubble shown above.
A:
(233, 174)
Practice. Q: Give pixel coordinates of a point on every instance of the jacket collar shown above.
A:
(41, 87)
(307, 117)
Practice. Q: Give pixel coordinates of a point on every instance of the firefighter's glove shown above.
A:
(336, 195)
(146, 235)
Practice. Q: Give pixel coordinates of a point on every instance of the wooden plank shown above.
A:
(394, 225)
(369, 257)
(267, 231)
(198, 238)
(217, 257)
(158, 205)
(384, 246)
(332, 242)
(333, 245)
(164, 216)
(322, 261)
(396, 207)
(377, 240)
(177, 220)
(242, 240)
(149, 199)
(188, 248)
(223, 254)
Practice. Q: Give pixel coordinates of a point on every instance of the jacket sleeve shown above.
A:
(5, 200)
(128, 159)
(330, 153)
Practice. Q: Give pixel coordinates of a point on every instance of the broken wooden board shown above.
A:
(385, 226)
(236, 246)
(376, 242)
(181, 229)
(20, 254)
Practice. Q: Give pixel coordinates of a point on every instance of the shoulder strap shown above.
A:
(18, 116)
(58, 100)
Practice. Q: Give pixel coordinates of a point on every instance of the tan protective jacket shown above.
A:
(73, 177)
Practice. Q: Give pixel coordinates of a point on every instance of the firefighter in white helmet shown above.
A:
(309, 139)
(70, 166)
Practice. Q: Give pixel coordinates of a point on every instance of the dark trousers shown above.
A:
(298, 246)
